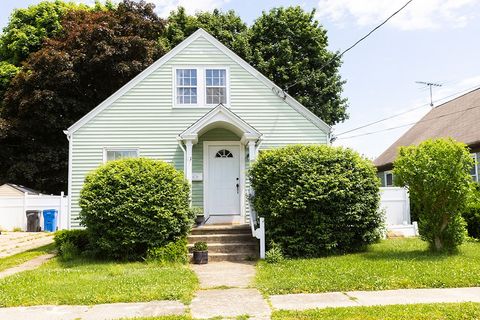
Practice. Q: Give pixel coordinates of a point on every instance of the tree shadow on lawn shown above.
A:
(417, 254)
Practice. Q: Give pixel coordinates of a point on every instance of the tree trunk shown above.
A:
(438, 240)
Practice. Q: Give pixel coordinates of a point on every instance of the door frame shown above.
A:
(206, 145)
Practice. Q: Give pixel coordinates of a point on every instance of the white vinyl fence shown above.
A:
(396, 203)
(13, 210)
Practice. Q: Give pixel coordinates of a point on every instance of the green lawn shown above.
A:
(90, 282)
(20, 258)
(391, 264)
(441, 311)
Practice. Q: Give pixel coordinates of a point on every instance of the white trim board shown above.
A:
(206, 144)
(199, 33)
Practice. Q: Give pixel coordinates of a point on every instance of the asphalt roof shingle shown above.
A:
(458, 118)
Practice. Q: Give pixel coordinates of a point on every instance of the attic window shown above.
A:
(200, 86)
(186, 86)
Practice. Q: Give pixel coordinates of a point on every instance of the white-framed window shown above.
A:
(475, 171)
(110, 154)
(388, 179)
(186, 86)
(200, 86)
(216, 86)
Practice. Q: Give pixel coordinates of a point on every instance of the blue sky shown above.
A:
(431, 40)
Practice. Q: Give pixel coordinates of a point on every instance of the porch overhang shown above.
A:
(220, 117)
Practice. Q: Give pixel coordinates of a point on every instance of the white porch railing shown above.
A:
(257, 225)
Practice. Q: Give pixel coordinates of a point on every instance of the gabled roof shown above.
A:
(223, 117)
(197, 34)
(458, 118)
(22, 188)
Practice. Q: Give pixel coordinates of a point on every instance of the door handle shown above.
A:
(238, 186)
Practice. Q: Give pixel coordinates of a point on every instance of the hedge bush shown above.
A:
(471, 214)
(71, 243)
(317, 199)
(173, 252)
(132, 205)
(436, 173)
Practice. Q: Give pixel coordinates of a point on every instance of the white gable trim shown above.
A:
(221, 114)
(165, 58)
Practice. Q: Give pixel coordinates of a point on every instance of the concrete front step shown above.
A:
(218, 257)
(221, 237)
(221, 229)
(231, 247)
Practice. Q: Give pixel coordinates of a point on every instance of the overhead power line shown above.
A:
(408, 124)
(407, 111)
(336, 56)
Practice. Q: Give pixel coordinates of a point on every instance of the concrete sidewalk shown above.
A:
(27, 265)
(225, 292)
(15, 242)
(372, 298)
(96, 312)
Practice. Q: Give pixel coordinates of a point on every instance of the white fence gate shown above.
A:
(13, 210)
(396, 203)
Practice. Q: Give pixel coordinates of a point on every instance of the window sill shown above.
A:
(197, 106)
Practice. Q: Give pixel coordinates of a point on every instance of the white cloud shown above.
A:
(420, 14)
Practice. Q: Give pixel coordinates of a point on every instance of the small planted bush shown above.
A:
(71, 243)
(132, 205)
(274, 254)
(173, 252)
(317, 199)
(436, 173)
(200, 246)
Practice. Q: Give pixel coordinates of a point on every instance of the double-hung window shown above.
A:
(186, 92)
(115, 154)
(216, 86)
(203, 86)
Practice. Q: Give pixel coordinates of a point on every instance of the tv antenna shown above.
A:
(430, 85)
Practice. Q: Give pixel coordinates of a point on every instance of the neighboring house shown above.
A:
(15, 190)
(201, 108)
(458, 118)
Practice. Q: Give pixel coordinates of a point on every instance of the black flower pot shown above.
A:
(200, 257)
(199, 220)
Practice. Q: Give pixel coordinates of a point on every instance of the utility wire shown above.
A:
(408, 124)
(335, 56)
(407, 111)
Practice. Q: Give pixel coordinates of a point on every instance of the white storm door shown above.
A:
(223, 180)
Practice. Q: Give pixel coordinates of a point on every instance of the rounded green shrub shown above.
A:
(131, 205)
(317, 199)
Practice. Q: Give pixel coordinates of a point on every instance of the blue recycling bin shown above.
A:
(50, 220)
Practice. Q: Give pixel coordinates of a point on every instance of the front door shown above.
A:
(223, 180)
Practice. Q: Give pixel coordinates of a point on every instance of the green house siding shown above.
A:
(145, 118)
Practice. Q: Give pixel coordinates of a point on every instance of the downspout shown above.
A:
(69, 182)
(180, 144)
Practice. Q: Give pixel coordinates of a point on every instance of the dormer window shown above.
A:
(200, 86)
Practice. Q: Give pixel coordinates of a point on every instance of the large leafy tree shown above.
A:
(227, 27)
(28, 28)
(436, 173)
(93, 56)
(290, 47)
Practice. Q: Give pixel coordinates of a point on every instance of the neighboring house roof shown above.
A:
(458, 118)
(22, 188)
(200, 33)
